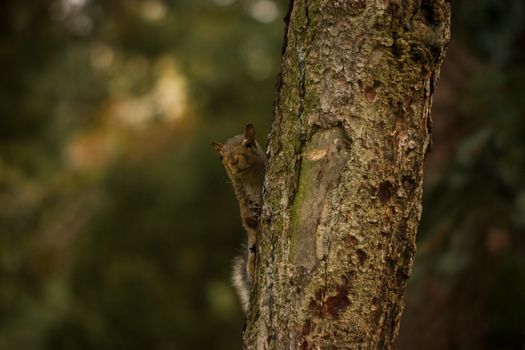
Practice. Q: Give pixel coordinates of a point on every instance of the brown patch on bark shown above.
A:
(361, 255)
(304, 345)
(333, 305)
(370, 94)
(385, 191)
(336, 304)
(409, 183)
(350, 241)
(306, 330)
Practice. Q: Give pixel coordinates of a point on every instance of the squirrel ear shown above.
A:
(217, 147)
(249, 133)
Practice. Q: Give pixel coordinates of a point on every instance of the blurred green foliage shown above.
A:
(117, 224)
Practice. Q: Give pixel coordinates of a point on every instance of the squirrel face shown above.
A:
(241, 155)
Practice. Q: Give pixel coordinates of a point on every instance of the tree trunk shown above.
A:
(342, 195)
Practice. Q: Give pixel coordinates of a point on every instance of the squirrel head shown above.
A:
(241, 155)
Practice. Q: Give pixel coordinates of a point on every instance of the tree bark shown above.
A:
(342, 193)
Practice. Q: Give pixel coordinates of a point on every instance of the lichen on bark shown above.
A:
(342, 194)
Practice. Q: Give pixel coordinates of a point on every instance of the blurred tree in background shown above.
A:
(467, 290)
(117, 224)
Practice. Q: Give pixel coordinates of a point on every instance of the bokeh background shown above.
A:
(117, 221)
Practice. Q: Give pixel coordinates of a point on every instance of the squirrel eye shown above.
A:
(246, 144)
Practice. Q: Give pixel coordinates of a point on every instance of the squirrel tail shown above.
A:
(241, 279)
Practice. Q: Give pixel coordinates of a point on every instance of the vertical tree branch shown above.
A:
(342, 195)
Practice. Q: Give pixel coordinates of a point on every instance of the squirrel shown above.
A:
(244, 162)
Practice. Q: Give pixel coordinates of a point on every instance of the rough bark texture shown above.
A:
(342, 195)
